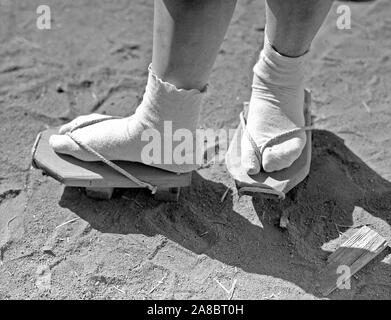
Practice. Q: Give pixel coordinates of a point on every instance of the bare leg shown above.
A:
(277, 98)
(187, 37)
(292, 25)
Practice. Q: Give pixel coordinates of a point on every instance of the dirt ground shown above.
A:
(95, 58)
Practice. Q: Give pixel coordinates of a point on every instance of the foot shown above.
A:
(129, 139)
(276, 106)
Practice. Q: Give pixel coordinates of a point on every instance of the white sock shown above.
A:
(276, 106)
(120, 139)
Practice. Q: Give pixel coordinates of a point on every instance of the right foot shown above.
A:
(122, 139)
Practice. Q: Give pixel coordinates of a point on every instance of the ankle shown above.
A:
(278, 70)
(291, 52)
(163, 101)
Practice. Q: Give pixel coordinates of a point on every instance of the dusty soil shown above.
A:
(95, 58)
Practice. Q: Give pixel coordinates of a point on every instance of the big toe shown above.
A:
(249, 160)
(282, 155)
(65, 145)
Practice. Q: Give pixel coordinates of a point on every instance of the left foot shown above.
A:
(276, 106)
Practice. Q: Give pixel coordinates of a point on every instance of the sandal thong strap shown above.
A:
(111, 164)
(94, 121)
(260, 149)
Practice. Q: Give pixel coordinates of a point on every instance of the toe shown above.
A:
(283, 155)
(65, 145)
(249, 159)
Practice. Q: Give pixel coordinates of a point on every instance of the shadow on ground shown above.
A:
(341, 193)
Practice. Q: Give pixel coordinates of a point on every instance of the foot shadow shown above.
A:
(341, 189)
(340, 195)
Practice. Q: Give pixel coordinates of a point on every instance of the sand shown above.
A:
(58, 244)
